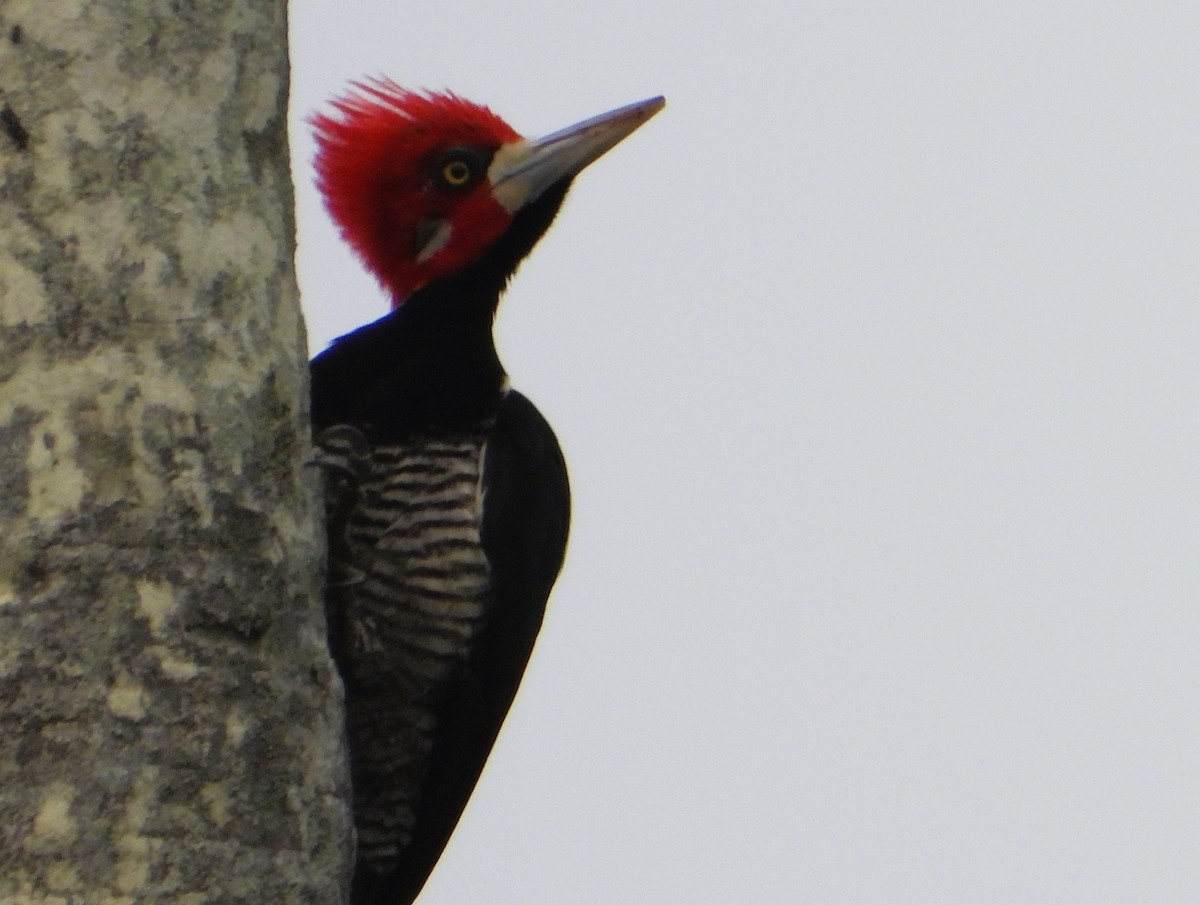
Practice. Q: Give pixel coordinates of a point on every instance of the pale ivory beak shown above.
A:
(522, 170)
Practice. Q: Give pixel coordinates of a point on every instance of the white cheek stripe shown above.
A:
(436, 243)
(511, 193)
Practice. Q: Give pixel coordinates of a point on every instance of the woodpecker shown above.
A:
(447, 502)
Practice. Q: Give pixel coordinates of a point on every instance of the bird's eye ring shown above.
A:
(456, 173)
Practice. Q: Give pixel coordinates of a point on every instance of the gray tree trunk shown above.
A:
(170, 723)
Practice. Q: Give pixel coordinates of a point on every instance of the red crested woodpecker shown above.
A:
(446, 493)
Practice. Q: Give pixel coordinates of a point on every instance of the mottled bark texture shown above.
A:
(170, 726)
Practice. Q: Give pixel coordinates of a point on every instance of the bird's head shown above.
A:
(421, 184)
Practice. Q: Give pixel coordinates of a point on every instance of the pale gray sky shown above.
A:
(874, 361)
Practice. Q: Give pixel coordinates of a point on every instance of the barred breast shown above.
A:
(417, 592)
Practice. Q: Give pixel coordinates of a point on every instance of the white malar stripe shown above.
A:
(436, 242)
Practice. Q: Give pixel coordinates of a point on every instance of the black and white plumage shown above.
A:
(448, 559)
(448, 508)
(447, 501)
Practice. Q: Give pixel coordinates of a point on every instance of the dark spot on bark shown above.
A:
(236, 604)
(264, 149)
(137, 150)
(34, 576)
(13, 128)
(219, 292)
(16, 438)
(221, 609)
(15, 34)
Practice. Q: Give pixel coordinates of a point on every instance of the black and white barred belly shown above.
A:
(415, 589)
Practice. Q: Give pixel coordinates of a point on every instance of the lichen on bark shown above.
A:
(170, 725)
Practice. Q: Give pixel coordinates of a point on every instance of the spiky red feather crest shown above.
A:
(368, 163)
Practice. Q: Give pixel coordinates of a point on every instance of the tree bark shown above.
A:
(170, 721)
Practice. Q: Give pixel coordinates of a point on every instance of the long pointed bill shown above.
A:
(522, 170)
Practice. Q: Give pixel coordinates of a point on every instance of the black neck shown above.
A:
(431, 364)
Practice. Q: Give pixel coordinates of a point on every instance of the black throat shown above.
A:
(430, 365)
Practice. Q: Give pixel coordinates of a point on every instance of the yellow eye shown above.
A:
(456, 173)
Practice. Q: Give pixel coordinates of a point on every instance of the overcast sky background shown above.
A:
(874, 358)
